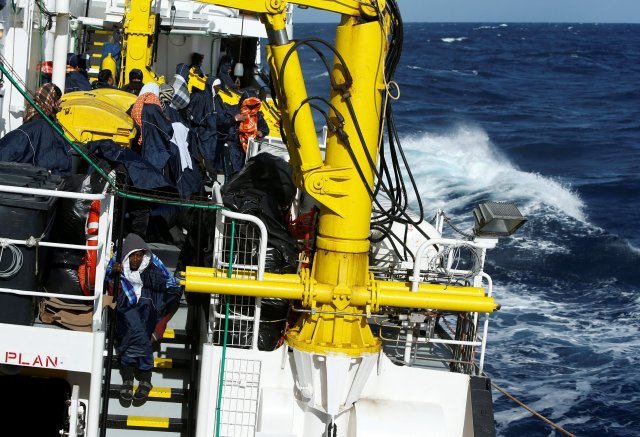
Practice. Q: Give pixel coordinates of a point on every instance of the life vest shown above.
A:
(249, 128)
(87, 268)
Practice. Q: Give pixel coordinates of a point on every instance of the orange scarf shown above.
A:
(249, 127)
(136, 112)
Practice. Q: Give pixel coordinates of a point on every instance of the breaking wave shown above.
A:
(457, 169)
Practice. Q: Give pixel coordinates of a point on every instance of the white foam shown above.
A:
(457, 39)
(456, 169)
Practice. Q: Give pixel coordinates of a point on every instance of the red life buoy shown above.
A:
(87, 268)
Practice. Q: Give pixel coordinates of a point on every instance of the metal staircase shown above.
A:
(171, 404)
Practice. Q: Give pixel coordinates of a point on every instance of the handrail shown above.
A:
(46, 294)
(100, 248)
(415, 280)
(246, 217)
(262, 255)
(33, 242)
(52, 193)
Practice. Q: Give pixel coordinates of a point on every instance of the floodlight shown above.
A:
(497, 219)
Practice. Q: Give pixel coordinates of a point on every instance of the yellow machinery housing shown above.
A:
(82, 109)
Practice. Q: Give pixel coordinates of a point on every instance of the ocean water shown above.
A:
(546, 116)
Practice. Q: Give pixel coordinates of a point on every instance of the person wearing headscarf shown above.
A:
(37, 142)
(75, 80)
(154, 127)
(181, 96)
(148, 293)
(182, 165)
(251, 125)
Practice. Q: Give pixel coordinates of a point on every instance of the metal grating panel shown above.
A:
(240, 391)
(240, 326)
(236, 255)
(240, 251)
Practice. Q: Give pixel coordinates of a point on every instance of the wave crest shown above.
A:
(460, 168)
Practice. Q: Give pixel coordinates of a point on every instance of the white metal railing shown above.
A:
(479, 277)
(244, 311)
(104, 236)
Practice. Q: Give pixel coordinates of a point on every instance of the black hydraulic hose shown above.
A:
(112, 324)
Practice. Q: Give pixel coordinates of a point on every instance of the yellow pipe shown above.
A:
(433, 288)
(243, 287)
(210, 272)
(356, 296)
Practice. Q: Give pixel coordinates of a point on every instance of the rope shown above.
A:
(16, 259)
(226, 332)
(529, 409)
(522, 404)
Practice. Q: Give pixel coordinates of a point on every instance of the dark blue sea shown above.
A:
(546, 116)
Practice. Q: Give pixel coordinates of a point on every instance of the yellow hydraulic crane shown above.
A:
(338, 289)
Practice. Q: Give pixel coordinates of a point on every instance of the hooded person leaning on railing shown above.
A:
(37, 142)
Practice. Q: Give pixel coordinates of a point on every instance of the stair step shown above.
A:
(157, 393)
(144, 422)
(161, 363)
(175, 336)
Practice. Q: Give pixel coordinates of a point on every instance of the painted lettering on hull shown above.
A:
(32, 360)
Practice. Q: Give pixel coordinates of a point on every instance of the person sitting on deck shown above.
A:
(148, 293)
(75, 80)
(196, 63)
(37, 142)
(135, 82)
(105, 80)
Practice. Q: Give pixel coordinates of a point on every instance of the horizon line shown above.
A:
(490, 22)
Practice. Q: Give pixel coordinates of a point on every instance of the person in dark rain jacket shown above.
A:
(148, 292)
(75, 80)
(250, 125)
(224, 71)
(203, 120)
(226, 118)
(183, 166)
(135, 82)
(105, 80)
(154, 127)
(36, 141)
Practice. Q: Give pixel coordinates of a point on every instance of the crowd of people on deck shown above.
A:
(187, 138)
(190, 137)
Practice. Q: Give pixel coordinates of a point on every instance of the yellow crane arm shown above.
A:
(356, 8)
(339, 289)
